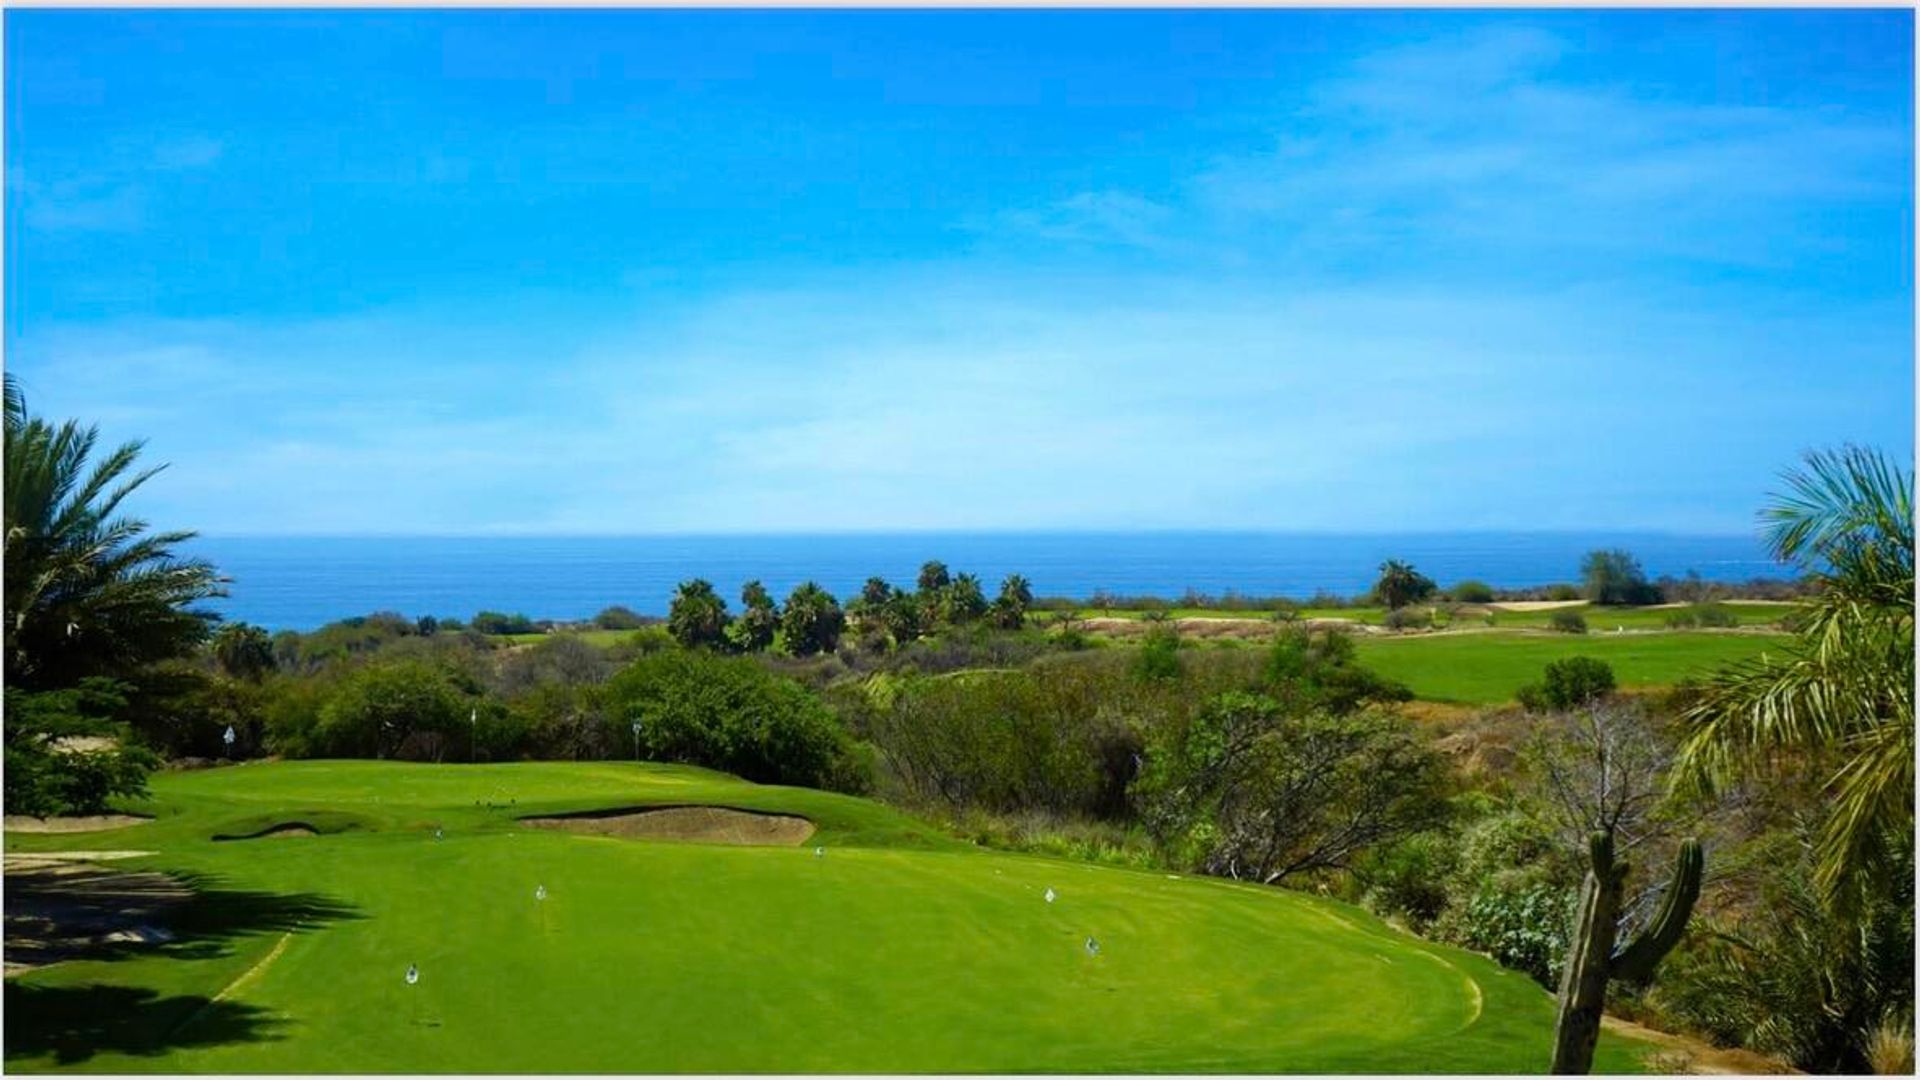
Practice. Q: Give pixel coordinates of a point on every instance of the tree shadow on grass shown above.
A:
(72, 1024)
(95, 913)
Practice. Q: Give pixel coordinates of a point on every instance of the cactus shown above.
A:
(1593, 961)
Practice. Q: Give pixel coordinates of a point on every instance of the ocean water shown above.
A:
(300, 583)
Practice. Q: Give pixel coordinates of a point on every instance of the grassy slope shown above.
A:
(899, 950)
(1485, 668)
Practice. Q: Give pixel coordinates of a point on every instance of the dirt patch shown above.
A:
(58, 908)
(1681, 1054)
(699, 824)
(21, 823)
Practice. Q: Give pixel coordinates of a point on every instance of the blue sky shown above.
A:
(639, 272)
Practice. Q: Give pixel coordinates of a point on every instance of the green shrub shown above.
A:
(1408, 618)
(494, 622)
(1562, 593)
(401, 708)
(1568, 683)
(1159, 655)
(1709, 615)
(731, 714)
(1527, 930)
(1568, 621)
(1472, 592)
(619, 617)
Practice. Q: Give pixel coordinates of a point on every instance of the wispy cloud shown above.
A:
(1476, 146)
(62, 198)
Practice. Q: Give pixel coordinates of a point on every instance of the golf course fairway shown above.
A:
(878, 945)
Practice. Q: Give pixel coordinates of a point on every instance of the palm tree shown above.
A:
(88, 592)
(698, 616)
(1843, 692)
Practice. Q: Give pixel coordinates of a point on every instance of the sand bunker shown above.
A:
(21, 823)
(291, 828)
(699, 824)
(58, 908)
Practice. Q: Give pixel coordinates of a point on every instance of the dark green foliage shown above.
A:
(1251, 788)
(698, 618)
(1562, 593)
(1010, 607)
(904, 619)
(813, 621)
(875, 594)
(1568, 684)
(619, 617)
(1052, 737)
(731, 714)
(88, 593)
(1400, 584)
(44, 779)
(1614, 577)
(759, 619)
(1567, 621)
(1795, 977)
(426, 626)
(1318, 670)
(494, 622)
(1472, 592)
(963, 601)
(933, 577)
(1159, 655)
(243, 651)
(396, 708)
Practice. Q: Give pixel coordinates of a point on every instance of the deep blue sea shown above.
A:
(302, 583)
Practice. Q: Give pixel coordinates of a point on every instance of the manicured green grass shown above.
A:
(1486, 668)
(601, 638)
(1598, 617)
(899, 950)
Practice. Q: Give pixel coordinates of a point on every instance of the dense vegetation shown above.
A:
(1292, 761)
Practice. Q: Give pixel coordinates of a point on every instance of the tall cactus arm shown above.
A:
(1635, 962)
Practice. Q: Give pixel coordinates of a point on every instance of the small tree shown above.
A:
(904, 618)
(933, 577)
(1010, 609)
(243, 651)
(619, 617)
(964, 601)
(759, 619)
(1400, 584)
(813, 621)
(1571, 683)
(1473, 592)
(698, 617)
(1254, 789)
(1614, 577)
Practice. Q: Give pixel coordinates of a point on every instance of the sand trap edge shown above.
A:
(686, 824)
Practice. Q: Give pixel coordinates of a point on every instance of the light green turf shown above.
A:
(600, 638)
(1631, 618)
(899, 950)
(1490, 667)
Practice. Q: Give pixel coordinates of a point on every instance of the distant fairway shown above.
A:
(1486, 668)
(899, 950)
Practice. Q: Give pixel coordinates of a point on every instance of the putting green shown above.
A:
(897, 949)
